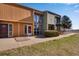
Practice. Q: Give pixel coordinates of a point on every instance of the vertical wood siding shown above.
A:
(13, 13)
(8, 12)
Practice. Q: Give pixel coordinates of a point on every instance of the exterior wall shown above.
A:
(45, 22)
(9, 12)
(32, 20)
(15, 29)
(48, 19)
(18, 28)
(18, 17)
(51, 19)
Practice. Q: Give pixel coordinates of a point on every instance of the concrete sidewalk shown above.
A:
(10, 43)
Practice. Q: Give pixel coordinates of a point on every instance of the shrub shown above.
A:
(51, 33)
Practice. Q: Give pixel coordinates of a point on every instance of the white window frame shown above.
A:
(24, 29)
(18, 29)
(27, 30)
(9, 31)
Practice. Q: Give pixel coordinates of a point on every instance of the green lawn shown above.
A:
(65, 46)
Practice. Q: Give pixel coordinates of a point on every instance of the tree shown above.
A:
(66, 22)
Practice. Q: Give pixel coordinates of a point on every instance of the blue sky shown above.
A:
(69, 9)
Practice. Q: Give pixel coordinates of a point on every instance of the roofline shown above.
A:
(21, 6)
(25, 7)
(52, 13)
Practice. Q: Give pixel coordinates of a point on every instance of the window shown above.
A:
(57, 20)
(29, 29)
(50, 27)
(25, 29)
(9, 30)
(38, 20)
(10, 27)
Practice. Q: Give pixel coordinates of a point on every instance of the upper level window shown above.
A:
(57, 20)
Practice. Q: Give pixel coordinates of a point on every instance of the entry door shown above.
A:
(3, 30)
(29, 30)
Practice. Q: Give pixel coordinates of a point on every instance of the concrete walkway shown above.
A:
(10, 43)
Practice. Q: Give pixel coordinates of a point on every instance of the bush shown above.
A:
(51, 33)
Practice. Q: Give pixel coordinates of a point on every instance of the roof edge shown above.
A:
(52, 13)
(22, 6)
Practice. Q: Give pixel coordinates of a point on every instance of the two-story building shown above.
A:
(18, 20)
(51, 21)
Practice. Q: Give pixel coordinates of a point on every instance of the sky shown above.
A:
(69, 9)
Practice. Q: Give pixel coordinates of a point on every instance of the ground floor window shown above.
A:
(9, 30)
(28, 29)
(51, 27)
(25, 29)
(58, 27)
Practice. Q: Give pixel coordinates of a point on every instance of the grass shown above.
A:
(66, 47)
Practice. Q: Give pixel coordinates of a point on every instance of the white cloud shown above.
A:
(75, 27)
(76, 11)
